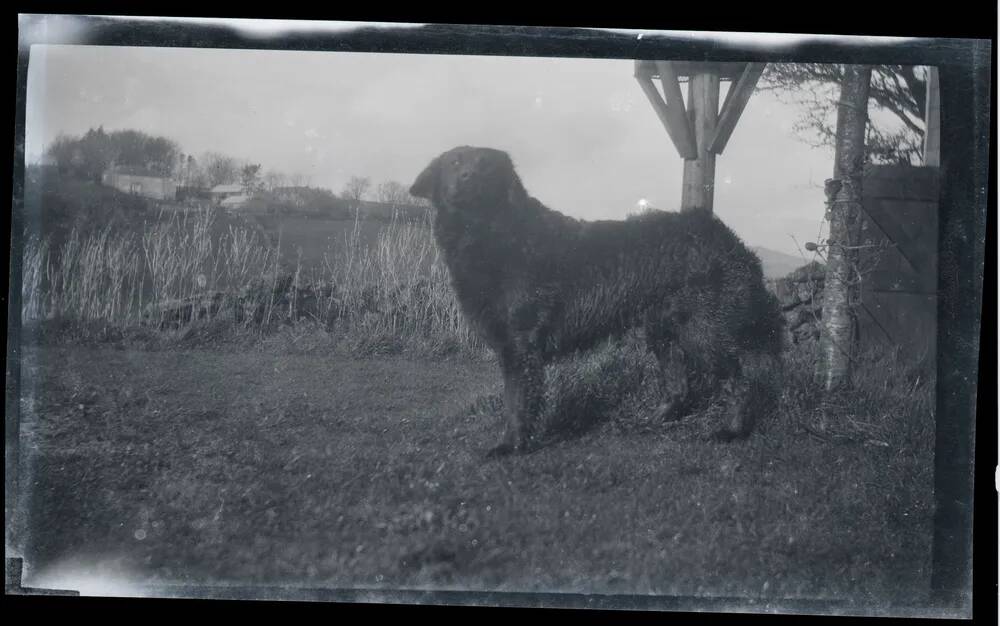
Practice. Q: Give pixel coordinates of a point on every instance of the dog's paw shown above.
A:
(740, 424)
(669, 412)
(508, 448)
(502, 450)
(732, 432)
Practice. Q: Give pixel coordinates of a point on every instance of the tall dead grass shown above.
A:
(382, 297)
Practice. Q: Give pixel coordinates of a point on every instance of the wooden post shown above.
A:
(698, 131)
(698, 188)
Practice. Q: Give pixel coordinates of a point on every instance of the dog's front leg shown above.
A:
(521, 360)
(522, 382)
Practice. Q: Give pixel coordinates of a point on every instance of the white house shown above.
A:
(220, 193)
(140, 182)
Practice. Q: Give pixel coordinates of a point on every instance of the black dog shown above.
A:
(537, 284)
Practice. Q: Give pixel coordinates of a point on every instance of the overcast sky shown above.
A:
(584, 138)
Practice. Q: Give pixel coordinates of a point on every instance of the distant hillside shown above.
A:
(54, 204)
(778, 264)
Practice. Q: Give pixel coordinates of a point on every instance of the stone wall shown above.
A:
(801, 297)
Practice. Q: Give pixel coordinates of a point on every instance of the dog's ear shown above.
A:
(427, 183)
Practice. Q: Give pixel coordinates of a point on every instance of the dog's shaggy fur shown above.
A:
(537, 284)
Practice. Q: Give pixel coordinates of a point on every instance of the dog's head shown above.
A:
(468, 179)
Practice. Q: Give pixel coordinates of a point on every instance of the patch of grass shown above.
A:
(878, 408)
(296, 467)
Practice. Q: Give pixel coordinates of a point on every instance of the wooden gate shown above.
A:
(899, 296)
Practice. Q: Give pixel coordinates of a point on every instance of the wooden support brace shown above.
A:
(679, 131)
(677, 116)
(736, 100)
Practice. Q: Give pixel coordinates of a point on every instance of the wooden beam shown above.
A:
(644, 68)
(725, 70)
(684, 143)
(676, 114)
(736, 100)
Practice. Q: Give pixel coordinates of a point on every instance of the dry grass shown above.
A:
(389, 296)
(396, 291)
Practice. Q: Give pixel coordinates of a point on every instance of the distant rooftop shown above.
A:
(235, 201)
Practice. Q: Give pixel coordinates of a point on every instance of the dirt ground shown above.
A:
(256, 467)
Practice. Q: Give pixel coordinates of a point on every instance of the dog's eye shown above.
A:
(456, 163)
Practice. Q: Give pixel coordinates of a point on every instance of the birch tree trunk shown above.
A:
(837, 336)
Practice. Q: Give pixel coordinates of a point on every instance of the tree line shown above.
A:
(90, 155)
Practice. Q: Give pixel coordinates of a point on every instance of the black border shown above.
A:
(964, 64)
(845, 17)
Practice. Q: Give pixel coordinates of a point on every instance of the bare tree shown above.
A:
(897, 91)
(274, 179)
(392, 192)
(837, 337)
(356, 189)
(220, 169)
(195, 173)
(250, 178)
(298, 179)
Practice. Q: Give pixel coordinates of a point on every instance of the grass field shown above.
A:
(289, 464)
(316, 241)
